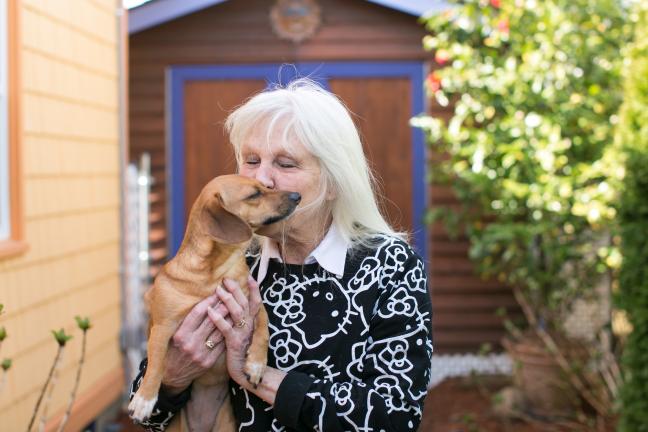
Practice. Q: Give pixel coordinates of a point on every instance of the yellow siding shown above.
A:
(69, 72)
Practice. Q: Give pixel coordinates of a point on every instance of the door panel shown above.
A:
(208, 151)
(381, 109)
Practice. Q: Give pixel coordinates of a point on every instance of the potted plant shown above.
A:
(535, 87)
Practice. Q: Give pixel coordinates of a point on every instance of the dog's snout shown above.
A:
(294, 196)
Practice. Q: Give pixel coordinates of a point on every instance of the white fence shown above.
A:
(137, 269)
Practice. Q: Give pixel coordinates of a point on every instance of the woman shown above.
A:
(347, 298)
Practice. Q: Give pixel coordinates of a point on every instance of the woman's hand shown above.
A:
(239, 328)
(189, 354)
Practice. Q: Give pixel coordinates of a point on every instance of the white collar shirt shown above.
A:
(330, 254)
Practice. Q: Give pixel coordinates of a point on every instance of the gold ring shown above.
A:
(210, 344)
(241, 324)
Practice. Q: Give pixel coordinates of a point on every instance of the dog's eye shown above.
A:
(256, 194)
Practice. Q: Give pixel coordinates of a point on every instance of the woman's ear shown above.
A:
(223, 226)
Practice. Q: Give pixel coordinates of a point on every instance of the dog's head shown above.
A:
(232, 207)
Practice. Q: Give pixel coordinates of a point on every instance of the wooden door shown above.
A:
(381, 101)
(381, 110)
(208, 152)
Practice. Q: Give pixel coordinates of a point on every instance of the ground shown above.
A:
(465, 405)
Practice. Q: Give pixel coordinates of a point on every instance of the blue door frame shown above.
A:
(275, 73)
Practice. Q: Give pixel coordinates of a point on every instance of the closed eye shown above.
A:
(251, 160)
(285, 162)
(255, 195)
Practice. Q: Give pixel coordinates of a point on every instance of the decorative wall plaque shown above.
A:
(295, 20)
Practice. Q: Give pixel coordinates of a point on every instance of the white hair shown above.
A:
(321, 122)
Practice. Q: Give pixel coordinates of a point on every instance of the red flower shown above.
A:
(442, 56)
(495, 3)
(433, 81)
(503, 25)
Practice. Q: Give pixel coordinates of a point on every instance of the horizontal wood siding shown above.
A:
(465, 305)
(239, 32)
(71, 183)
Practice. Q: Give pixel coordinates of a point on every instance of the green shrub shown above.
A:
(536, 87)
(633, 280)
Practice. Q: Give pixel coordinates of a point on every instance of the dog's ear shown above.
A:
(224, 226)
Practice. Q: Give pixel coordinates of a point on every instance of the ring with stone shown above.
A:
(210, 344)
(241, 324)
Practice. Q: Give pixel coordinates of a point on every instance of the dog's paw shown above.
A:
(140, 409)
(254, 372)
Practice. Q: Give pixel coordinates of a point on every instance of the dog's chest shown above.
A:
(233, 267)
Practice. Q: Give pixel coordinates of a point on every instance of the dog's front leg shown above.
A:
(257, 355)
(141, 407)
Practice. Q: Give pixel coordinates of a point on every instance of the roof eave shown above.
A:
(156, 12)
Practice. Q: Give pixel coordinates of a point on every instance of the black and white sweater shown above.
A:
(357, 348)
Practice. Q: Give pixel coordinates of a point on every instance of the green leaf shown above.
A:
(60, 337)
(6, 364)
(485, 349)
(83, 323)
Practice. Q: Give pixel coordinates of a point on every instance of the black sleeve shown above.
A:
(165, 407)
(389, 393)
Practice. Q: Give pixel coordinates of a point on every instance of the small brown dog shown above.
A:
(220, 226)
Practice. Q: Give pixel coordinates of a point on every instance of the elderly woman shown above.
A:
(347, 298)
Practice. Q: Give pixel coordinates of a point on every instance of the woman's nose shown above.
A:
(265, 176)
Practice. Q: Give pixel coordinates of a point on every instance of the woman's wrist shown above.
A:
(267, 388)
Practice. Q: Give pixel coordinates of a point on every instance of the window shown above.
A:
(11, 241)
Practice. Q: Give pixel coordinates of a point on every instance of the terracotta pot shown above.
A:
(544, 388)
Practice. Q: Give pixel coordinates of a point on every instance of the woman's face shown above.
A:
(294, 171)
